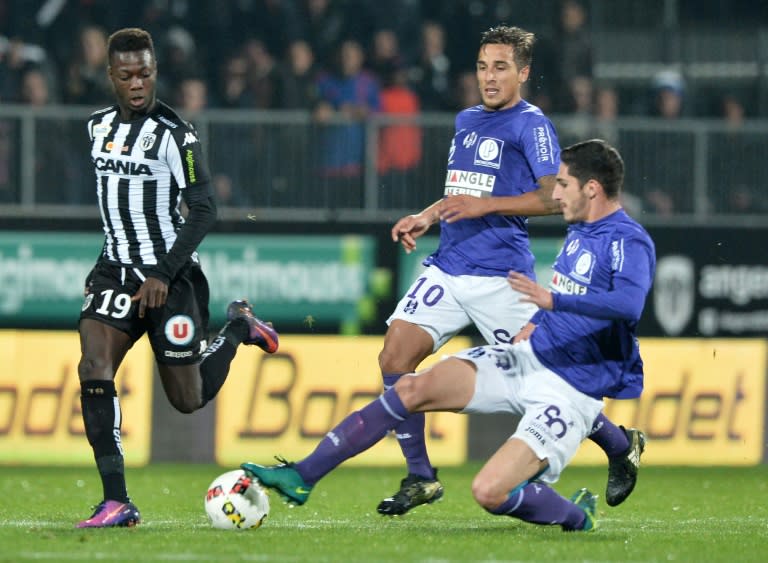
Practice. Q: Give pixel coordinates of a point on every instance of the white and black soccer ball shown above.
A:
(234, 501)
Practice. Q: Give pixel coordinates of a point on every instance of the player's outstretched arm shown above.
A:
(411, 227)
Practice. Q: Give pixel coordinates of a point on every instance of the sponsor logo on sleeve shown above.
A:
(543, 140)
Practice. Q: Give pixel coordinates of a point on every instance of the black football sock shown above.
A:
(214, 366)
(102, 419)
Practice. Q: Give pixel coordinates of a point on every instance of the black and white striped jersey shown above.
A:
(141, 168)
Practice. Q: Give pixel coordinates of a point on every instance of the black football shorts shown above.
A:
(178, 331)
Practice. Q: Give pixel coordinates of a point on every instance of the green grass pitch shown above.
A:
(675, 514)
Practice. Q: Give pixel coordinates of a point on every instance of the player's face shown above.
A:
(498, 77)
(574, 199)
(134, 75)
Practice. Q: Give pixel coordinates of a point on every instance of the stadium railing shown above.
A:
(283, 165)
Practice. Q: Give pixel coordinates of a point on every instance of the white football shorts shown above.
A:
(555, 416)
(444, 305)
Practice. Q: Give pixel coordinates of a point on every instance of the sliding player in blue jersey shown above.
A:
(579, 347)
(501, 169)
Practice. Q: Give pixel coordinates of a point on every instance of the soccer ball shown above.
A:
(234, 501)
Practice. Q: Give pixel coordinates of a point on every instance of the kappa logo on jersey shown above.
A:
(189, 139)
(458, 182)
(469, 140)
(179, 330)
(147, 141)
(582, 269)
(122, 167)
(572, 247)
(563, 284)
(488, 152)
(543, 140)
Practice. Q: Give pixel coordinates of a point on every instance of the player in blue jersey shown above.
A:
(501, 169)
(554, 376)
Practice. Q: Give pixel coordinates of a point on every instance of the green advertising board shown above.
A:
(313, 280)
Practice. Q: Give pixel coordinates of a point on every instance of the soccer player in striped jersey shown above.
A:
(501, 169)
(148, 279)
(579, 347)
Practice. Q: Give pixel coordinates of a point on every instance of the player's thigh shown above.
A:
(431, 304)
(495, 308)
(179, 330)
(446, 386)
(405, 346)
(183, 386)
(102, 349)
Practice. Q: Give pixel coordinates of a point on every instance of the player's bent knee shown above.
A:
(89, 369)
(488, 495)
(414, 391)
(186, 405)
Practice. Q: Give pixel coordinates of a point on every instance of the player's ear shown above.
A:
(593, 188)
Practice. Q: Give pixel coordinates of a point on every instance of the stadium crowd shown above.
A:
(269, 54)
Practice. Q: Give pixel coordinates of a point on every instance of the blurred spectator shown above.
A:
(579, 122)
(385, 52)
(431, 77)
(15, 57)
(668, 90)
(735, 173)
(233, 83)
(9, 191)
(263, 78)
(467, 92)
(575, 54)
(399, 144)
(606, 113)
(298, 77)
(59, 174)
(325, 26)
(662, 174)
(275, 22)
(346, 97)
(191, 97)
(178, 58)
(87, 82)
(299, 81)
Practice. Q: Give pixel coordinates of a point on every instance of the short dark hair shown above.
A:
(130, 39)
(521, 41)
(595, 159)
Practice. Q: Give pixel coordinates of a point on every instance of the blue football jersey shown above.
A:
(599, 284)
(494, 154)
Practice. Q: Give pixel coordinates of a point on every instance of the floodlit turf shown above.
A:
(675, 514)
